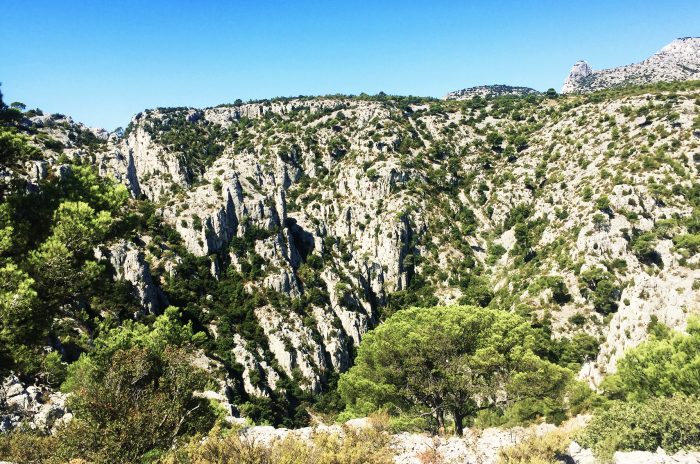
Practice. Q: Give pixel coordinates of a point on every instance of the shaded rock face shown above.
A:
(129, 264)
(677, 61)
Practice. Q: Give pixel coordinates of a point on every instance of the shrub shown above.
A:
(560, 292)
(601, 290)
(29, 447)
(141, 402)
(659, 367)
(519, 214)
(603, 203)
(580, 348)
(368, 445)
(494, 253)
(643, 246)
(494, 139)
(696, 123)
(670, 423)
(477, 291)
(15, 149)
(689, 242)
(587, 193)
(196, 223)
(135, 393)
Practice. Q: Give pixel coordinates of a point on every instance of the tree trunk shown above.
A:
(440, 416)
(459, 423)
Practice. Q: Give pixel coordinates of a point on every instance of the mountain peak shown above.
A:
(579, 72)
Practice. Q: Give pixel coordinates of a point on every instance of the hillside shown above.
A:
(284, 230)
(381, 202)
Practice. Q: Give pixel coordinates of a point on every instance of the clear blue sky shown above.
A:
(103, 61)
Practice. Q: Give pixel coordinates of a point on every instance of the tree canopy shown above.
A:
(48, 266)
(455, 361)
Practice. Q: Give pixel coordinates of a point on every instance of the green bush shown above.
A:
(135, 393)
(643, 246)
(603, 203)
(14, 148)
(560, 292)
(689, 242)
(601, 290)
(495, 252)
(670, 423)
(659, 367)
(494, 139)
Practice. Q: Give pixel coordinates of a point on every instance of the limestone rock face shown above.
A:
(677, 61)
(294, 346)
(254, 367)
(579, 73)
(144, 166)
(242, 192)
(657, 457)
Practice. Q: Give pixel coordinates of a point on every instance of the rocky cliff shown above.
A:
(677, 61)
(333, 212)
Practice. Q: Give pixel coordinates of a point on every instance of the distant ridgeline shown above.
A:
(487, 91)
(677, 61)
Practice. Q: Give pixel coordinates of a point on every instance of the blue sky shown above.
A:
(103, 61)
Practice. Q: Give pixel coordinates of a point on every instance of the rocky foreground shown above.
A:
(476, 446)
(41, 409)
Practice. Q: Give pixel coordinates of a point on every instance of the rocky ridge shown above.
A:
(677, 61)
(36, 407)
(489, 91)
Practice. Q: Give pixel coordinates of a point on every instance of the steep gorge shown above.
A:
(340, 210)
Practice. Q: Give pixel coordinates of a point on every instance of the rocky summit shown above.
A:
(677, 61)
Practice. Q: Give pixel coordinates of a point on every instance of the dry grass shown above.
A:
(536, 449)
(368, 445)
